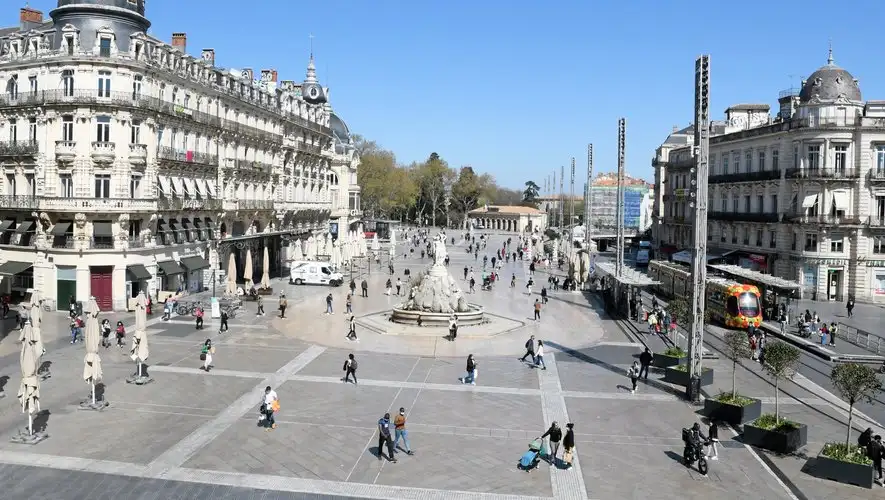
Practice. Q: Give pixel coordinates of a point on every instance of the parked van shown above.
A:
(314, 273)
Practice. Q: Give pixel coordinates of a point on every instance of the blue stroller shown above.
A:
(531, 458)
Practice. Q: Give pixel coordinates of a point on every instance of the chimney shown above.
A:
(675, 128)
(274, 75)
(179, 41)
(30, 18)
(209, 56)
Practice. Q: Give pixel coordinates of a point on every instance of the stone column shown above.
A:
(118, 284)
(84, 283)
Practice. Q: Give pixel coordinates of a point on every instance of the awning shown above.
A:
(201, 188)
(12, 267)
(840, 200)
(25, 226)
(210, 184)
(178, 186)
(169, 268)
(712, 254)
(210, 224)
(194, 263)
(161, 225)
(190, 187)
(102, 229)
(163, 184)
(61, 228)
(5, 225)
(809, 201)
(138, 272)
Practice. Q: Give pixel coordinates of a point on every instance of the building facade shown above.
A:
(800, 195)
(128, 164)
(343, 188)
(515, 219)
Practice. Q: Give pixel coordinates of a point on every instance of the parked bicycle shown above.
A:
(188, 308)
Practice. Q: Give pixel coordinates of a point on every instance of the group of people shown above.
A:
(810, 325)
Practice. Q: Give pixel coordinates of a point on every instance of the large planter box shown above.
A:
(265, 291)
(680, 378)
(732, 414)
(664, 361)
(776, 441)
(844, 472)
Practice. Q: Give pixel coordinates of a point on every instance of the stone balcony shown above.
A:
(180, 204)
(65, 151)
(19, 149)
(255, 204)
(21, 202)
(138, 154)
(103, 152)
(95, 205)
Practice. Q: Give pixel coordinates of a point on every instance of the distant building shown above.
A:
(516, 219)
(604, 200)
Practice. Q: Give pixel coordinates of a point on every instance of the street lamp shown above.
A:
(446, 202)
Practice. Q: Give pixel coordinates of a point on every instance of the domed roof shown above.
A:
(830, 83)
(339, 128)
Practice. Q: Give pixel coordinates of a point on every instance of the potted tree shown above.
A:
(678, 375)
(847, 462)
(771, 431)
(732, 407)
(673, 356)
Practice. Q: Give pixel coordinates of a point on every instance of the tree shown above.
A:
(373, 176)
(855, 382)
(531, 192)
(680, 310)
(738, 348)
(433, 177)
(466, 191)
(781, 360)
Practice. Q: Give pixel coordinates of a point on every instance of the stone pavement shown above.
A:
(192, 434)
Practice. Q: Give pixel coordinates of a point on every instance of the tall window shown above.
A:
(737, 162)
(66, 185)
(811, 242)
(773, 200)
(12, 87)
(725, 163)
(67, 82)
(10, 184)
(775, 159)
(104, 84)
(880, 159)
(102, 185)
(749, 159)
(162, 94)
(772, 238)
(880, 208)
(136, 132)
(32, 84)
(136, 86)
(104, 47)
(103, 129)
(759, 237)
(135, 186)
(837, 243)
(31, 183)
(69, 45)
(747, 204)
(13, 130)
(762, 161)
(67, 128)
(796, 156)
(760, 204)
(32, 129)
(841, 157)
(812, 156)
(878, 244)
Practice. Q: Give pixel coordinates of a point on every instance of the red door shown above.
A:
(101, 280)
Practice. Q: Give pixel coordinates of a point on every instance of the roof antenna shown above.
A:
(830, 53)
(311, 45)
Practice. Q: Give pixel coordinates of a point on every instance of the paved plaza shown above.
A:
(192, 434)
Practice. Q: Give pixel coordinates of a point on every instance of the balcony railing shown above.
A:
(103, 151)
(876, 222)
(824, 220)
(308, 148)
(764, 175)
(823, 173)
(744, 216)
(827, 122)
(19, 148)
(65, 150)
(137, 153)
(115, 205)
(255, 204)
(13, 201)
(877, 176)
(177, 204)
(167, 153)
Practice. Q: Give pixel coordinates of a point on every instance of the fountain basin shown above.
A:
(474, 316)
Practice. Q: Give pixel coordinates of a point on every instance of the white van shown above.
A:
(314, 273)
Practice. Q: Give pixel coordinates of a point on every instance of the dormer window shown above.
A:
(34, 46)
(14, 47)
(12, 87)
(138, 49)
(104, 46)
(69, 45)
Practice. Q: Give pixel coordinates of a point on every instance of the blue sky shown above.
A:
(516, 88)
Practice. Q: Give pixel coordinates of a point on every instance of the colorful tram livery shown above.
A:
(734, 304)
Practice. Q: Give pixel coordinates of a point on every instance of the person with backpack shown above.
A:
(529, 349)
(121, 332)
(206, 353)
(198, 313)
(350, 366)
(633, 373)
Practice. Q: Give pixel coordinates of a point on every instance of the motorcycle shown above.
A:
(694, 453)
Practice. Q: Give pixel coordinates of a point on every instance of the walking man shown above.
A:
(713, 434)
(465, 273)
(348, 304)
(350, 365)
(537, 310)
(329, 304)
(568, 444)
(645, 360)
(365, 287)
(388, 287)
(529, 349)
(385, 438)
(260, 303)
(399, 427)
(283, 305)
(224, 316)
(399, 286)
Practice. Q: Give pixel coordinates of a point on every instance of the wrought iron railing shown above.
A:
(744, 216)
(823, 173)
(19, 148)
(167, 153)
(13, 201)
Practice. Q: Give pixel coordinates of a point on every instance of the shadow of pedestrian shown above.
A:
(674, 456)
(44, 368)
(99, 391)
(41, 420)
(3, 380)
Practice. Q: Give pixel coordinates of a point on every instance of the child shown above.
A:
(105, 334)
(121, 332)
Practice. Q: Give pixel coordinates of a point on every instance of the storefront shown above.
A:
(172, 279)
(194, 265)
(256, 244)
(877, 280)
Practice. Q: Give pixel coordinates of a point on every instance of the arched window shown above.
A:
(333, 179)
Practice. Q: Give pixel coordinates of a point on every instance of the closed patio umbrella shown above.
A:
(247, 271)
(231, 275)
(327, 249)
(265, 269)
(311, 248)
(297, 251)
(335, 257)
(393, 237)
(29, 390)
(363, 245)
(139, 351)
(92, 362)
(376, 245)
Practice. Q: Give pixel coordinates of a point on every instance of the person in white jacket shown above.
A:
(539, 355)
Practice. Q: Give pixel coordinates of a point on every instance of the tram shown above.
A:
(734, 304)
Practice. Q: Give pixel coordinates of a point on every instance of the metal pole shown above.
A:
(698, 201)
(553, 196)
(561, 195)
(588, 202)
(619, 213)
(571, 215)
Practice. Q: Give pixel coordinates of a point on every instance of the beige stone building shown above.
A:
(512, 218)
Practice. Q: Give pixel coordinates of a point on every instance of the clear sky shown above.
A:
(517, 87)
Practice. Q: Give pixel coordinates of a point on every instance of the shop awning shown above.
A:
(210, 185)
(840, 200)
(178, 185)
(25, 226)
(809, 201)
(169, 268)
(194, 263)
(5, 225)
(163, 184)
(12, 267)
(190, 187)
(137, 272)
(102, 229)
(201, 187)
(61, 228)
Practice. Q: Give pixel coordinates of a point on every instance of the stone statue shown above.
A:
(439, 250)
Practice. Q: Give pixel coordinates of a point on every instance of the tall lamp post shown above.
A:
(446, 202)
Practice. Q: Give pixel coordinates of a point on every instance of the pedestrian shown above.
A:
(388, 287)
(75, 328)
(348, 304)
(537, 310)
(554, 433)
(472, 285)
(399, 427)
(784, 320)
(283, 305)
(224, 317)
(529, 349)
(352, 286)
(399, 286)
(106, 333)
(365, 288)
(198, 314)
(465, 273)
(633, 373)
(270, 404)
(470, 376)
(121, 333)
(329, 303)
(528, 286)
(350, 366)
(713, 434)
(645, 360)
(833, 329)
(875, 450)
(539, 355)
(385, 438)
(849, 306)
(351, 330)
(453, 328)
(544, 294)
(568, 445)
(259, 310)
(206, 353)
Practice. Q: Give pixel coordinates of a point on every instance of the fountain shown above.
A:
(435, 296)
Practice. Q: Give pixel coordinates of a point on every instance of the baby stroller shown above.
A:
(487, 284)
(531, 458)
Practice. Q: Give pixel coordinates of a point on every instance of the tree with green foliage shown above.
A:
(737, 348)
(531, 193)
(467, 190)
(855, 382)
(781, 361)
(434, 178)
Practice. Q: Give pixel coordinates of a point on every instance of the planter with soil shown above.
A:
(732, 410)
(678, 375)
(785, 437)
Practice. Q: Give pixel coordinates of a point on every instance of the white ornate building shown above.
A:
(127, 164)
(800, 195)
(344, 190)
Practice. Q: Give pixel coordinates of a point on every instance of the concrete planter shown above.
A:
(778, 441)
(844, 472)
(264, 291)
(664, 360)
(732, 414)
(680, 378)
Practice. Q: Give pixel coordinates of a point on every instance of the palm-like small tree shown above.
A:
(855, 382)
(781, 360)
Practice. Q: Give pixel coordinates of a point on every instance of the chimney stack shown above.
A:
(274, 75)
(30, 18)
(179, 41)
(269, 75)
(209, 56)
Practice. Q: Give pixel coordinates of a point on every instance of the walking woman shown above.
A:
(105, 333)
(633, 373)
(270, 404)
(351, 331)
(568, 445)
(206, 355)
(539, 356)
(198, 313)
(470, 377)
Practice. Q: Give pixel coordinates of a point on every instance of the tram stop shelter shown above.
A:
(775, 290)
(617, 289)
